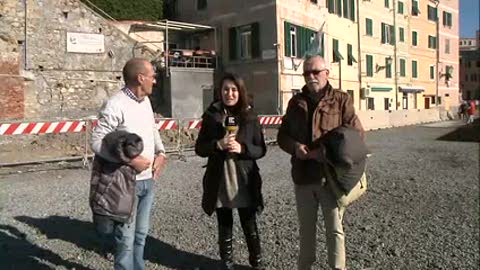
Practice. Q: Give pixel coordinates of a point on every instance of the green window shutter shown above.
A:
(449, 17)
(414, 7)
(444, 16)
(345, 8)
(369, 65)
(414, 69)
(322, 45)
(387, 3)
(392, 34)
(401, 33)
(232, 46)
(384, 34)
(349, 54)
(369, 26)
(414, 38)
(388, 69)
(336, 58)
(331, 6)
(402, 68)
(352, 10)
(288, 50)
(339, 8)
(432, 72)
(300, 41)
(400, 7)
(255, 40)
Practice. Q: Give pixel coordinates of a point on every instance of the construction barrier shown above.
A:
(180, 133)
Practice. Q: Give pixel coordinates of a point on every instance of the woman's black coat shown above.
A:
(249, 135)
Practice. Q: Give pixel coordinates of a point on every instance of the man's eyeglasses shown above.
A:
(315, 72)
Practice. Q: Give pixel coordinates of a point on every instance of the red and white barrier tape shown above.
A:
(166, 124)
(270, 120)
(41, 127)
(194, 124)
(80, 125)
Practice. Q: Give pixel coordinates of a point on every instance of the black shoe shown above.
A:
(225, 243)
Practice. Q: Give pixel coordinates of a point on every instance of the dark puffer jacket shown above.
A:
(249, 135)
(112, 185)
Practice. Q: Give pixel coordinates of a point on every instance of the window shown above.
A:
(415, 10)
(370, 104)
(447, 19)
(414, 38)
(400, 7)
(335, 7)
(432, 72)
(350, 58)
(350, 93)
(432, 13)
(388, 67)
(448, 73)
(337, 56)
(414, 69)
(388, 34)
(293, 40)
(387, 3)
(342, 8)
(314, 1)
(244, 42)
(201, 4)
(447, 46)
(369, 65)
(432, 42)
(402, 68)
(401, 33)
(299, 40)
(386, 104)
(369, 27)
(405, 101)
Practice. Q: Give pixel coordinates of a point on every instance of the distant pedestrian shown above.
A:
(232, 139)
(130, 110)
(471, 111)
(312, 113)
(462, 111)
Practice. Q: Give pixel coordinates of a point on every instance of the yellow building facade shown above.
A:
(423, 52)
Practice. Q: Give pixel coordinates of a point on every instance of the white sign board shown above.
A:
(85, 43)
(269, 54)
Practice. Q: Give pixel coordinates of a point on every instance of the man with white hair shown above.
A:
(310, 115)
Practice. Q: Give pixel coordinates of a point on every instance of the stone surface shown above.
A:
(61, 83)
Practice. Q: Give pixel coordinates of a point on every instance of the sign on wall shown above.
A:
(85, 43)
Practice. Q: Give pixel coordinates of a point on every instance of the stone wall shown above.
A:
(51, 82)
(12, 86)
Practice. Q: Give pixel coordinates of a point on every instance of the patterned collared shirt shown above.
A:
(131, 95)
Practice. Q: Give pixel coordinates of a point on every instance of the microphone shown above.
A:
(231, 124)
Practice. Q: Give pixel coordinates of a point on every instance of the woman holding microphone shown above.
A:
(232, 139)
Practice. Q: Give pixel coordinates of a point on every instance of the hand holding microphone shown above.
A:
(229, 142)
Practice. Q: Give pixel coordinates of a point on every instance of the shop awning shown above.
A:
(411, 89)
(380, 89)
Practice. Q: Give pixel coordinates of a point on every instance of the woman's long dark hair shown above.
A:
(241, 107)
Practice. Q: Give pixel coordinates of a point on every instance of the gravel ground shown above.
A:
(421, 211)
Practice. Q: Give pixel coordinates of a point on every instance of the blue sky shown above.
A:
(469, 17)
